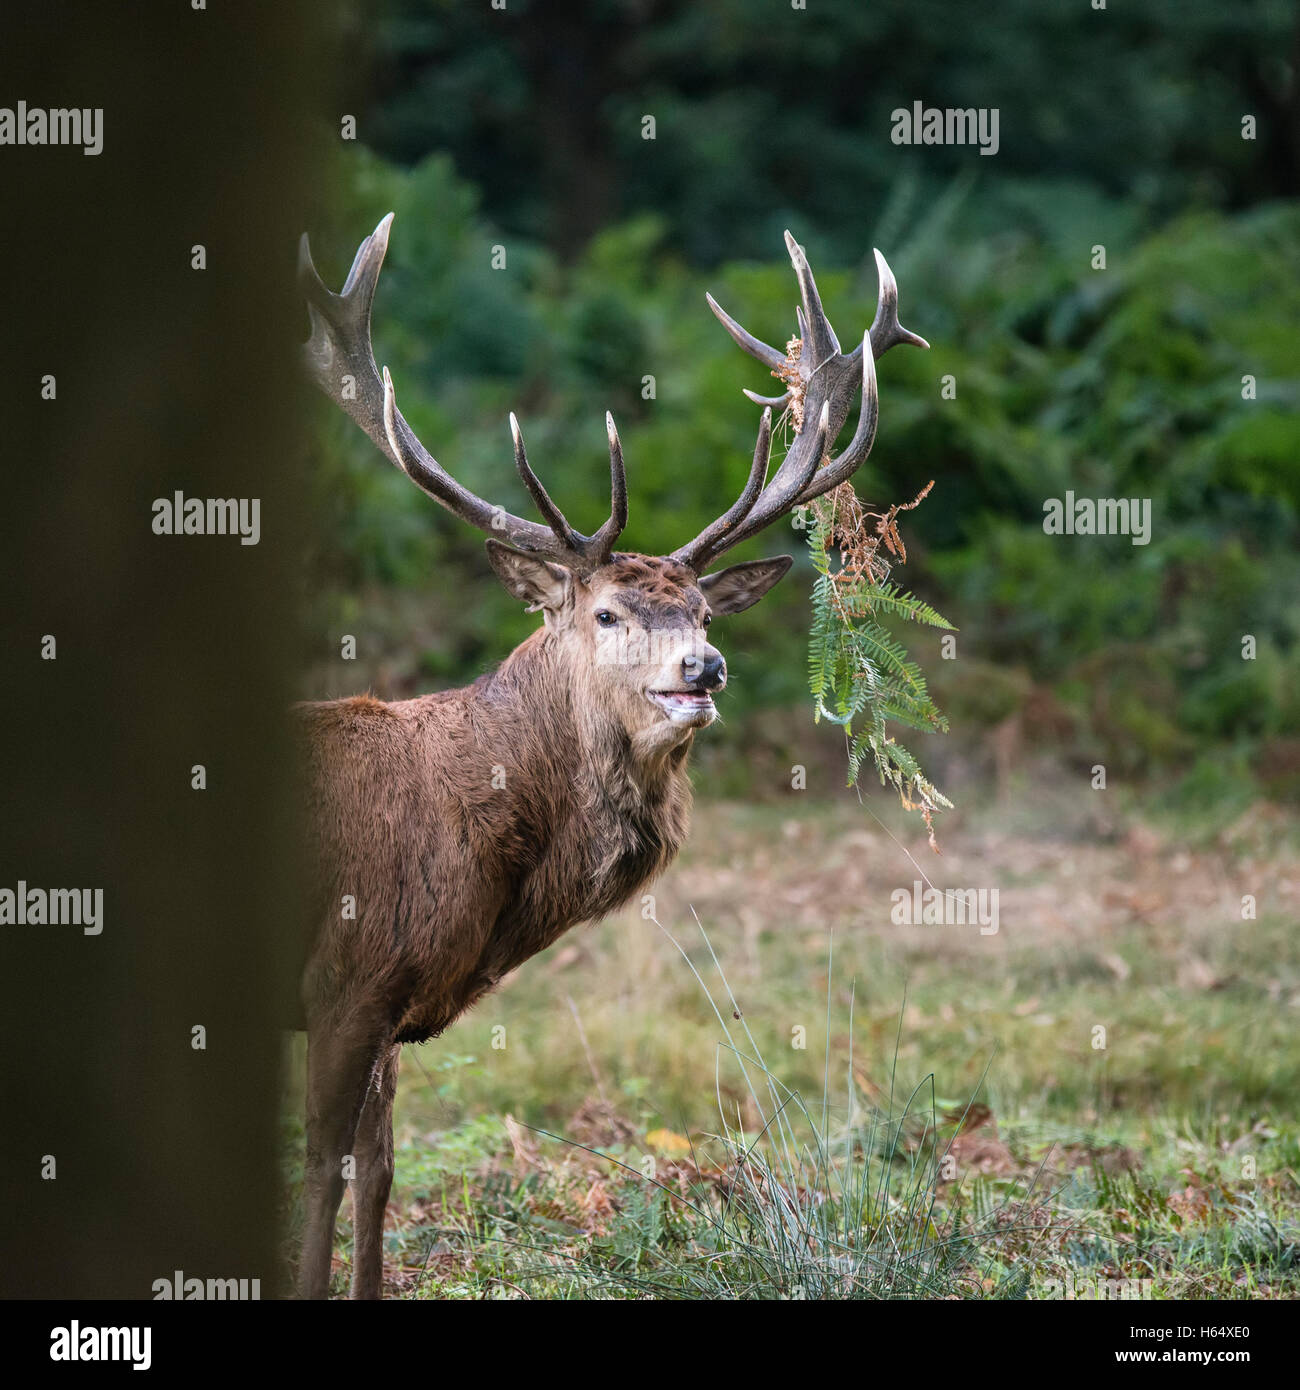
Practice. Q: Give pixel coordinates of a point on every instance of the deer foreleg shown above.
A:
(374, 1179)
(341, 1055)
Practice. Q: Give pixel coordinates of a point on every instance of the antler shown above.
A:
(341, 362)
(828, 379)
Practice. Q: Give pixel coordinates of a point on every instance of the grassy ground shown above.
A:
(1099, 1099)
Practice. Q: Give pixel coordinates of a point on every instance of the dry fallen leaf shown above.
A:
(667, 1142)
(1192, 1204)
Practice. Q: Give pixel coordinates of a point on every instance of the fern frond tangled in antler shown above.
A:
(859, 673)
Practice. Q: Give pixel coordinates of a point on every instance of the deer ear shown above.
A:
(538, 582)
(741, 586)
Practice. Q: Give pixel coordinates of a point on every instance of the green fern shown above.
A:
(862, 678)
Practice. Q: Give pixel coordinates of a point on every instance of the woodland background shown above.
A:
(1162, 1152)
(480, 127)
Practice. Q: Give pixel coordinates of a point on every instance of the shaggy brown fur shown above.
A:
(471, 828)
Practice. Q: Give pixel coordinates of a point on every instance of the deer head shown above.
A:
(632, 626)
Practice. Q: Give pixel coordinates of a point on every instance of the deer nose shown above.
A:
(708, 672)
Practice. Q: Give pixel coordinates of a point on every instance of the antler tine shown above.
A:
(551, 514)
(844, 465)
(794, 476)
(692, 555)
(784, 494)
(341, 362)
(776, 402)
(828, 380)
(603, 541)
(768, 356)
(814, 327)
(764, 506)
(886, 330)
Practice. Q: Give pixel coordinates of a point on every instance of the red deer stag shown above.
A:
(472, 827)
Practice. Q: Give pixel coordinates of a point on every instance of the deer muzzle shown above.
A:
(703, 672)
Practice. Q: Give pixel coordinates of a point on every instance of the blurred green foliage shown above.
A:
(768, 116)
(1122, 382)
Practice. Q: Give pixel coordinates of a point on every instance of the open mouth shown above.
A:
(684, 706)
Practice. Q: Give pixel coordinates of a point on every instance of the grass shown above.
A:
(801, 1098)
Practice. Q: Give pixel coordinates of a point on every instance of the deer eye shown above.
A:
(708, 618)
(605, 618)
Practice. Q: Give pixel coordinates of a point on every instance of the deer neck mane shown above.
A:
(589, 743)
(624, 813)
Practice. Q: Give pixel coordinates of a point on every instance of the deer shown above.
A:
(471, 827)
